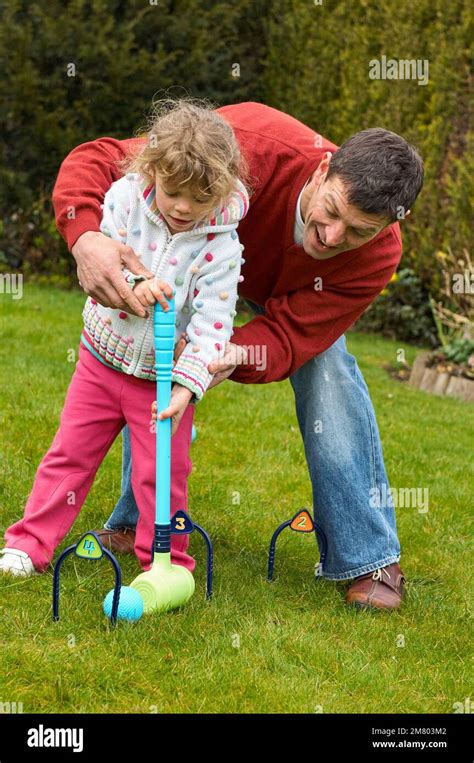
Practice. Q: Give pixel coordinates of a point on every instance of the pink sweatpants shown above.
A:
(99, 402)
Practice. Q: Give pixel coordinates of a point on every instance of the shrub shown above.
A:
(459, 350)
(123, 52)
(327, 86)
(402, 311)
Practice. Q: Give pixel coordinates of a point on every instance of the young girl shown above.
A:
(178, 206)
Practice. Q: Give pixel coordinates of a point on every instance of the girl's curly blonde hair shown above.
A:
(189, 144)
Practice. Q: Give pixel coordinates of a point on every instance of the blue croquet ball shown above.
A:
(130, 604)
(193, 433)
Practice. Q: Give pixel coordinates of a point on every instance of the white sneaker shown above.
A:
(15, 562)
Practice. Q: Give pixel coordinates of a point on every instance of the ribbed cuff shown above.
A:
(133, 278)
(192, 373)
(71, 230)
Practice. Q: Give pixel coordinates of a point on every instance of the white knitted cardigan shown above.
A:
(201, 265)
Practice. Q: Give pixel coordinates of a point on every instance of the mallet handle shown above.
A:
(163, 331)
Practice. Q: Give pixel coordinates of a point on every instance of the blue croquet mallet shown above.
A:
(165, 586)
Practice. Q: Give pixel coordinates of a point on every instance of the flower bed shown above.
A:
(432, 372)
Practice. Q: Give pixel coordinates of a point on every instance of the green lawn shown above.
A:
(290, 646)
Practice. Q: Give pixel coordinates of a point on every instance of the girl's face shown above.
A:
(180, 207)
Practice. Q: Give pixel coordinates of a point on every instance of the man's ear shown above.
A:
(321, 170)
(325, 162)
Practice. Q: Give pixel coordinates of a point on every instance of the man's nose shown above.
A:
(335, 233)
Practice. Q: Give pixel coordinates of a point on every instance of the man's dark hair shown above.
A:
(381, 172)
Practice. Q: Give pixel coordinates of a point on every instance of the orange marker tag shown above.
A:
(302, 522)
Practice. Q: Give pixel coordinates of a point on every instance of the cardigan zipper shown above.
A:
(160, 269)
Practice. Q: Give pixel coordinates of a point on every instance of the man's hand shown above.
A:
(179, 347)
(223, 367)
(234, 355)
(180, 397)
(99, 270)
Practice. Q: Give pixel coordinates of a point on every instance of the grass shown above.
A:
(292, 646)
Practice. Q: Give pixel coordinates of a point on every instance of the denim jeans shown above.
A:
(345, 463)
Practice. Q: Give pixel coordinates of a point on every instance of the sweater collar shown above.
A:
(299, 222)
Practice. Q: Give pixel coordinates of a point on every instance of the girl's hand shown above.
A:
(180, 397)
(153, 290)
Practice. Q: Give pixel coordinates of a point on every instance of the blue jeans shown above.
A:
(345, 463)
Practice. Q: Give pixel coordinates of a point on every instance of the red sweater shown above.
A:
(300, 322)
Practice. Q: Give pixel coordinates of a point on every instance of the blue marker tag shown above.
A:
(181, 523)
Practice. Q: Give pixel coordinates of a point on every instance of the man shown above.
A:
(321, 241)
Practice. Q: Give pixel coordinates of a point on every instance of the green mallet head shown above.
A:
(165, 586)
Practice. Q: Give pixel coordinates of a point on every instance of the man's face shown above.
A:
(332, 225)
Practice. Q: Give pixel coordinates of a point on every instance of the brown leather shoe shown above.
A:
(380, 589)
(121, 541)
